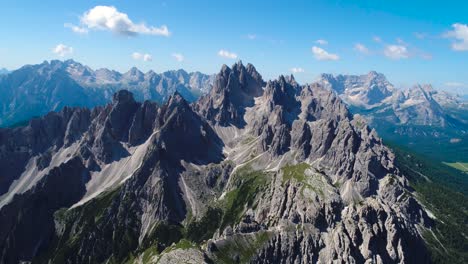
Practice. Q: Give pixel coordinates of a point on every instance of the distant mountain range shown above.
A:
(35, 90)
(373, 96)
(3, 71)
(426, 119)
(373, 93)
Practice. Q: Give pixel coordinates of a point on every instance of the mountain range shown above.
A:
(432, 122)
(374, 95)
(253, 171)
(34, 90)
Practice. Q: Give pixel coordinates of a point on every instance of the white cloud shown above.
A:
(460, 34)
(297, 70)
(179, 57)
(420, 35)
(147, 57)
(62, 50)
(251, 36)
(401, 41)
(227, 54)
(454, 84)
(141, 56)
(137, 55)
(321, 54)
(396, 52)
(76, 29)
(361, 48)
(321, 42)
(377, 39)
(109, 18)
(425, 56)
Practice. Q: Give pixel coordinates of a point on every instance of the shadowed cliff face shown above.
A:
(252, 172)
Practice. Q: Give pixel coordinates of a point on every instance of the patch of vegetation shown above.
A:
(85, 218)
(241, 248)
(183, 244)
(297, 172)
(247, 185)
(247, 140)
(149, 253)
(198, 231)
(418, 165)
(163, 235)
(437, 148)
(461, 166)
(441, 189)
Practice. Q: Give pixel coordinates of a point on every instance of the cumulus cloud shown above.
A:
(460, 34)
(401, 41)
(142, 56)
(420, 35)
(110, 19)
(76, 29)
(321, 42)
(321, 54)
(396, 52)
(361, 48)
(454, 84)
(178, 57)
(62, 50)
(297, 70)
(425, 56)
(251, 36)
(377, 39)
(227, 54)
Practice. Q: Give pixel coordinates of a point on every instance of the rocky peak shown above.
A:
(123, 97)
(118, 117)
(250, 80)
(134, 75)
(176, 101)
(104, 75)
(282, 91)
(291, 79)
(233, 90)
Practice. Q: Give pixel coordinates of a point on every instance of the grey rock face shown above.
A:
(27, 222)
(253, 172)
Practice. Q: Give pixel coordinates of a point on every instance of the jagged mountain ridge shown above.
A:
(35, 90)
(263, 172)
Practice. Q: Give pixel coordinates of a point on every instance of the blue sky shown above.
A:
(416, 42)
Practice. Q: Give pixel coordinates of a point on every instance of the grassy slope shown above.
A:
(442, 190)
(458, 165)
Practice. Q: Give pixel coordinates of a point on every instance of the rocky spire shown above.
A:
(234, 89)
